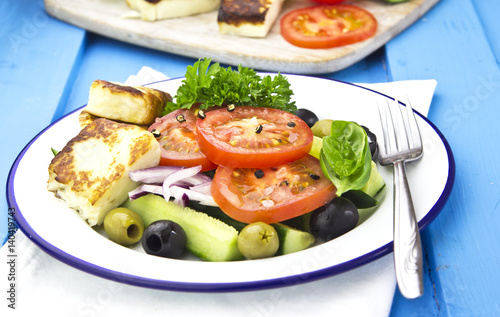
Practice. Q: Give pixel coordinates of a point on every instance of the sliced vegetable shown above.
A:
(322, 128)
(209, 85)
(164, 238)
(329, 1)
(292, 240)
(176, 133)
(272, 194)
(370, 195)
(177, 176)
(345, 156)
(123, 226)
(152, 175)
(253, 137)
(183, 184)
(327, 26)
(372, 142)
(208, 238)
(334, 219)
(309, 117)
(316, 147)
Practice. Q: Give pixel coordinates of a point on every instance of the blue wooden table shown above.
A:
(47, 66)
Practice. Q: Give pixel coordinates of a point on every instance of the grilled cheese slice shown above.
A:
(138, 105)
(250, 18)
(91, 172)
(153, 10)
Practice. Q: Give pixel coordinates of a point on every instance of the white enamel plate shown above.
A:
(61, 232)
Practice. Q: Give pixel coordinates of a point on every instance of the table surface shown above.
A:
(47, 66)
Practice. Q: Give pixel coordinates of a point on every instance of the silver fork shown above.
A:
(403, 145)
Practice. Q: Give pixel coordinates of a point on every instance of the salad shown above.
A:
(243, 173)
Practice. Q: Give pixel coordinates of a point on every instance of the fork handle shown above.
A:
(407, 246)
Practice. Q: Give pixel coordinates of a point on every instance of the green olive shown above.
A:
(123, 226)
(258, 240)
(322, 128)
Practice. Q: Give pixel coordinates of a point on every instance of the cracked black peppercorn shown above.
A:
(259, 173)
(201, 114)
(180, 118)
(156, 133)
(314, 176)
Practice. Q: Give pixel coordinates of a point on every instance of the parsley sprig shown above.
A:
(210, 84)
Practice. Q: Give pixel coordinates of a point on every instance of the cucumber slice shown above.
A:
(217, 213)
(368, 196)
(292, 240)
(316, 147)
(208, 238)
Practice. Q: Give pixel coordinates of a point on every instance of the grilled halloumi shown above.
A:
(138, 105)
(153, 10)
(91, 172)
(250, 18)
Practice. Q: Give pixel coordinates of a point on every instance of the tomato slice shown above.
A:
(272, 194)
(327, 26)
(253, 137)
(177, 138)
(329, 1)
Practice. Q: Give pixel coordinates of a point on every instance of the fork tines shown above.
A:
(402, 138)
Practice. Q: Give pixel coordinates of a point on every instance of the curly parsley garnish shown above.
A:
(210, 84)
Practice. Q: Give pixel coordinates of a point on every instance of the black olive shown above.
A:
(164, 238)
(309, 117)
(334, 219)
(372, 142)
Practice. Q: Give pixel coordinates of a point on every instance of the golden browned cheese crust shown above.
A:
(236, 12)
(139, 105)
(91, 172)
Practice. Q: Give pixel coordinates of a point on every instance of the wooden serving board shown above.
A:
(198, 36)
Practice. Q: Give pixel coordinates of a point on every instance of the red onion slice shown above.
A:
(144, 190)
(203, 199)
(180, 175)
(153, 175)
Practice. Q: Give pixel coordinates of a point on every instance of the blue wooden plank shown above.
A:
(452, 44)
(30, 87)
(369, 70)
(488, 16)
(114, 61)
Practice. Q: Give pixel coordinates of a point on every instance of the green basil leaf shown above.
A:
(345, 156)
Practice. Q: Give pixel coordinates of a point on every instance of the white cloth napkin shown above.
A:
(44, 284)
